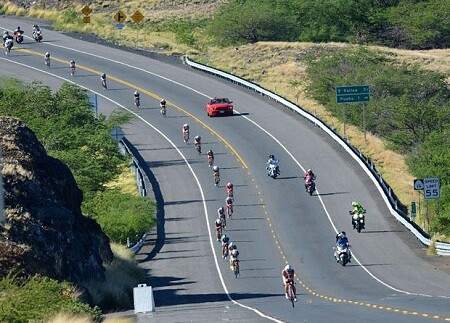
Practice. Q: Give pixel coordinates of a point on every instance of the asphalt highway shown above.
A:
(275, 221)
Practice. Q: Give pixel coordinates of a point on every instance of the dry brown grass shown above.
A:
(277, 66)
(280, 68)
(125, 182)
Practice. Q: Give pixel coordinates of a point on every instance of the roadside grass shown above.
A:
(277, 66)
(116, 292)
(125, 182)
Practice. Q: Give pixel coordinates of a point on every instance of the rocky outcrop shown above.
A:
(45, 231)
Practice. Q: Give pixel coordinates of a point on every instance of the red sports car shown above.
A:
(219, 106)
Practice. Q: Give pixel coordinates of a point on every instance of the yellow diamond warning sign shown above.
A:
(120, 16)
(86, 10)
(137, 16)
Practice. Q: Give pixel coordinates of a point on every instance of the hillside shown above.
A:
(173, 27)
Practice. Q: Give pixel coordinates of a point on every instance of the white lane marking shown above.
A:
(193, 174)
(264, 130)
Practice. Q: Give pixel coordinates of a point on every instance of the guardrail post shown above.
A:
(389, 192)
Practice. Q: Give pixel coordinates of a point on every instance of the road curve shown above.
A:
(275, 221)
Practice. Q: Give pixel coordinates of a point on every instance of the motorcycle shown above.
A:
(8, 45)
(18, 37)
(37, 35)
(342, 253)
(310, 187)
(273, 171)
(358, 220)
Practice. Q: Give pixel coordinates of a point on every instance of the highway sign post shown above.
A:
(353, 94)
(431, 188)
(413, 210)
(120, 17)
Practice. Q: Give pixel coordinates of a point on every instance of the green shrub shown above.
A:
(121, 215)
(38, 298)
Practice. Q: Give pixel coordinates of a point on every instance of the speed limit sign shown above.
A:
(431, 188)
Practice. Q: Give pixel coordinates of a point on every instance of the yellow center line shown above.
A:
(153, 95)
(308, 289)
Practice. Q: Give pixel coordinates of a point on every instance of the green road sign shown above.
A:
(413, 209)
(352, 94)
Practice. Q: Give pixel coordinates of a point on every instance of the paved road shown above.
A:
(274, 221)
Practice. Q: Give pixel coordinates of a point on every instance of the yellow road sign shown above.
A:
(86, 10)
(137, 16)
(86, 19)
(120, 16)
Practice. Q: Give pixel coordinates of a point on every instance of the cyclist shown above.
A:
(229, 205)
(72, 67)
(137, 100)
(225, 240)
(210, 155)
(218, 229)
(288, 276)
(185, 132)
(103, 79)
(234, 257)
(198, 144)
(229, 187)
(162, 105)
(216, 175)
(221, 216)
(357, 210)
(47, 59)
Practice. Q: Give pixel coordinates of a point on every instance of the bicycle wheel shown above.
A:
(291, 295)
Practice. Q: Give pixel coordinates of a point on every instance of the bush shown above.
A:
(120, 215)
(38, 298)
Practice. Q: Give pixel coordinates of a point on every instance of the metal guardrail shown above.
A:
(140, 181)
(398, 210)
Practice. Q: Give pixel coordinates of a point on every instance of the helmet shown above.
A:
(47, 54)
(354, 203)
(218, 221)
(229, 185)
(231, 244)
(210, 151)
(197, 137)
(5, 32)
(215, 168)
(103, 75)
(272, 156)
(18, 27)
(34, 25)
(309, 170)
(221, 210)
(288, 268)
(136, 92)
(185, 125)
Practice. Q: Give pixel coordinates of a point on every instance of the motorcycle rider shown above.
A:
(8, 45)
(273, 161)
(18, 32)
(36, 29)
(342, 240)
(225, 240)
(288, 276)
(185, 132)
(309, 179)
(229, 187)
(358, 210)
(216, 175)
(210, 155)
(6, 36)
